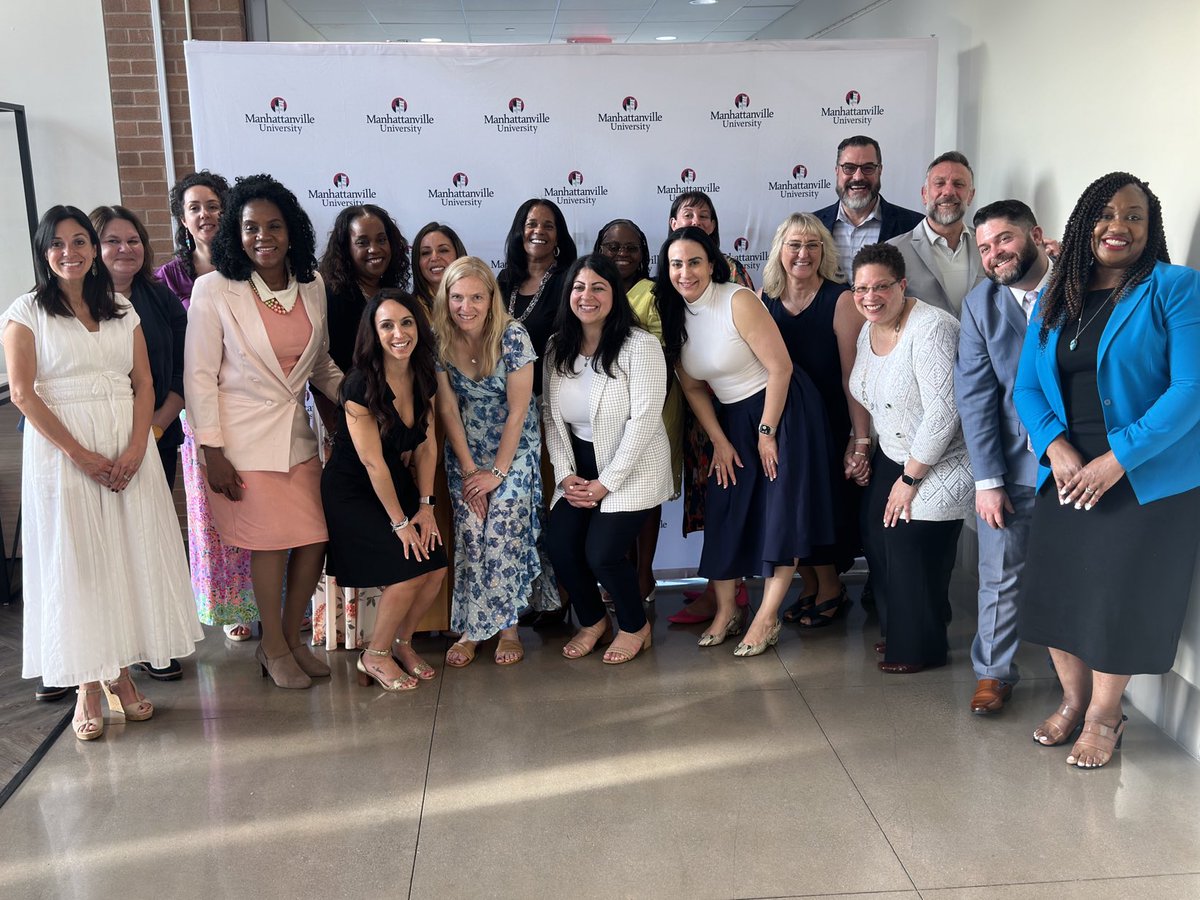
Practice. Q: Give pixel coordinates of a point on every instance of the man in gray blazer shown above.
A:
(940, 259)
(995, 315)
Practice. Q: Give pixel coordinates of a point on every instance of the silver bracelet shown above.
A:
(501, 475)
(400, 526)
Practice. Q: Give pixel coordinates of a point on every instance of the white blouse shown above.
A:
(573, 398)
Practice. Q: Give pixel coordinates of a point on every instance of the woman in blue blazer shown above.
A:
(1109, 389)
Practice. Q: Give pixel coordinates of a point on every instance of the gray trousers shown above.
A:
(1001, 559)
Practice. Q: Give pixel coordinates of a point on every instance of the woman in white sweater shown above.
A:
(921, 485)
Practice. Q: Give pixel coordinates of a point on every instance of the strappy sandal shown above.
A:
(1060, 726)
(1103, 740)
(586, 639)
(627, 645)
(88, 729)
(816, 615)
(405, 683)
(422, 669)
(463, 650)
(800, 609)
(506, 646)
(139, 711)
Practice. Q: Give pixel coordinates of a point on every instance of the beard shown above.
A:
(944, 215)
(1018, 268)
(856, 202)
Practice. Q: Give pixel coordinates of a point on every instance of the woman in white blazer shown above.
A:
(256, 335)
(606, 380)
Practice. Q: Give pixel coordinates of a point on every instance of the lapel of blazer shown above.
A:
(925, 251)
(243, 306)
(1121, 313)
(313, 297)
(595, 395)
(1009, 308)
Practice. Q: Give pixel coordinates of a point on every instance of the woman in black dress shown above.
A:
(371, 498)
(1108, 388)
(820, 325)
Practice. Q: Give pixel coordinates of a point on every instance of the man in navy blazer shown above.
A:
(940, 259)
(995, 316)
(861, 216)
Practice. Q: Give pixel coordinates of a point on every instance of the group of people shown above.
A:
(897, 372)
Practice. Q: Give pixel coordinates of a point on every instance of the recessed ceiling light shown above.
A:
(701, 2)
(665, 37)
(431, 40)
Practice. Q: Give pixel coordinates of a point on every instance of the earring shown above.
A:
(189, 243)
(93, 267)
(556, 251)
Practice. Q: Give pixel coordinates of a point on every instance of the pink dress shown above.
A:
(278, 510)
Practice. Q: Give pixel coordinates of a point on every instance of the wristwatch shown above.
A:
(429, 501)
(766, 429)
(909, 480)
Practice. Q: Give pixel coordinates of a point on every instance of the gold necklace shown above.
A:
(270, 302)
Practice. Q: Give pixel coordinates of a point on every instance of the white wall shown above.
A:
(55, 65)
(1043, 98)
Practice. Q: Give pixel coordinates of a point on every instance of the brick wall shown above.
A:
(133, 80)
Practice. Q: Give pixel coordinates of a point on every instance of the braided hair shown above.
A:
(1062, 301)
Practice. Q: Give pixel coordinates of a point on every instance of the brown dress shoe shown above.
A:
(990, 696)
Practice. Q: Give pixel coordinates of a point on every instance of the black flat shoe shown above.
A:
(51, 692)
(840, 605)
(551, 618)
(173, 671)
(801, 608)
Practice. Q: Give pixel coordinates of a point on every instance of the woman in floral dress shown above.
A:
(493, 447)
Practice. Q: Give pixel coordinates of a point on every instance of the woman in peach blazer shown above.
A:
(256, 335)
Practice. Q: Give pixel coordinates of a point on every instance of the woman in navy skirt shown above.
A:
(770, 480)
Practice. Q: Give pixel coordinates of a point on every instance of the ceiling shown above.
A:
(538, 21)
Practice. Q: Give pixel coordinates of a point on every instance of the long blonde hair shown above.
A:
(497, 318)
(774, 280)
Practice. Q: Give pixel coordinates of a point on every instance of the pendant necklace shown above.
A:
(1080, 327)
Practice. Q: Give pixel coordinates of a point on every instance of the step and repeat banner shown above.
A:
(463, 134)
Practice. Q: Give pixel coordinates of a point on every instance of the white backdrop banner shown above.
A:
(463, 134)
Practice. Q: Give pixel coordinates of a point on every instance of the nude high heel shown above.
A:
(284, 670)
(366, 676)
(88, 729)
(308, 662)
(141, 710)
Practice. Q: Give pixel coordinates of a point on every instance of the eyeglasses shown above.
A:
(861, 290)
(612, 248)
(867, 169)
(797, 246)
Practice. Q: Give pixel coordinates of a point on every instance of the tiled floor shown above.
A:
(688, 773)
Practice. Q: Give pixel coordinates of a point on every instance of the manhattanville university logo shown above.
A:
(627, 118)
(397, 121)
(341, 195)
(851, 111)
(800, 186)
(277, 119)
(459, 194)
(741, 114)
(688, 181)
(575, 194)
(516, 119)
(752, 261)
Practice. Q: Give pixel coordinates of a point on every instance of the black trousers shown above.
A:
(170, 462)
(587, 545)
(910, 573)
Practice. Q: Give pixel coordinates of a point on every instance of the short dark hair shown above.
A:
(231, 260)
(103, 215)
(1012, 210)
(184, 245)
(337, 268)
(644, 269)
(860, 140)
(421, 287)
(695, 198)
(885, 255)
(672, 308)
(516, 262)
(97, 283)
(950, 156)
(568, 336)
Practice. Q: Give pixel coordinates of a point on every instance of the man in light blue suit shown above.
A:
(995, 315)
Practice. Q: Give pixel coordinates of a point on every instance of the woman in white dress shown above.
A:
(106, 579)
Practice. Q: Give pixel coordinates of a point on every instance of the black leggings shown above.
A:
(587, 545)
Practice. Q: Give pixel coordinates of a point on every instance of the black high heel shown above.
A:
(816, 615)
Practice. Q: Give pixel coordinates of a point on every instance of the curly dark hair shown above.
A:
(516, 262)
(880, 254)
(184, 243)
(672, 308)
(568, 336)
(643, 269)
(97, 283)
(337, 268)
(368, 359)
(1062, 301)
(227, 254)
(697, 198)
(421, 287)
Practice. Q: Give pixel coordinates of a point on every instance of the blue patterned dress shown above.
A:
(499, 564)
